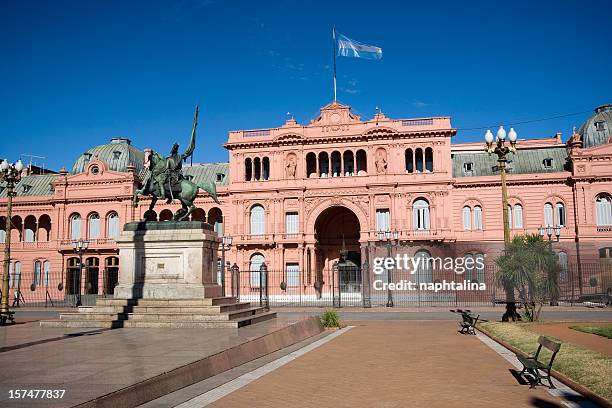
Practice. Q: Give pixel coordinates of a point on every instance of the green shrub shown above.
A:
(330, 319)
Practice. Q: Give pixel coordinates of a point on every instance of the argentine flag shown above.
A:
(355, 49)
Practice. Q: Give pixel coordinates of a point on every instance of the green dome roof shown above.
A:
(596, 130)
(118, 154)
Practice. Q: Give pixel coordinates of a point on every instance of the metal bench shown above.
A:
(534, 366)
(468, 323)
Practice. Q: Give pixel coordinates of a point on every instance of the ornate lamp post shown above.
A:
(79, 247)
(226, 243)
(549, 232)
(11, 174)
(501, 150)
(390, 239)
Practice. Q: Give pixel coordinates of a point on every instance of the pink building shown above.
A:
(295, 196)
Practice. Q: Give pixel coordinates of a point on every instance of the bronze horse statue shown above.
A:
(165, 179)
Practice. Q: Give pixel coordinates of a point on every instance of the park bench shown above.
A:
(533, 365)
(468, 323)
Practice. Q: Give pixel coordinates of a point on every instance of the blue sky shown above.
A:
(74, 74)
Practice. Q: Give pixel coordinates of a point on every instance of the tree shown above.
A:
(530, 266)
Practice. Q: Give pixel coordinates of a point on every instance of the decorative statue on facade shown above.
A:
(381, 164)
(165, 179)
(291, 166)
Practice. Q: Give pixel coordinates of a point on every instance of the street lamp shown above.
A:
(549, 232)
(390, 238)
(500, 148)
(10, 174)
(226, 242)
(79, 247)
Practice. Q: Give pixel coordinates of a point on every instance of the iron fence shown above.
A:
(349, 286)
(354, 287)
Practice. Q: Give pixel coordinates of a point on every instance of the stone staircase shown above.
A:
(222, 312)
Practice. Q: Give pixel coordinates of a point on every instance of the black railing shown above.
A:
(348, 286)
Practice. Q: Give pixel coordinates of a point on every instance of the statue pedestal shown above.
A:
(168, 260)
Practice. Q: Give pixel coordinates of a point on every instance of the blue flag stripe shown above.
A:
(355, 49)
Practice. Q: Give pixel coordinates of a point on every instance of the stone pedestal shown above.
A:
(168, 260)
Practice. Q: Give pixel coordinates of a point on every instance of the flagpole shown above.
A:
(334, 40)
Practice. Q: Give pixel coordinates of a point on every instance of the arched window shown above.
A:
(44, 228)
(603, 210)
(112, 226)
(424, 269)
(548, 215)
(256, 261)
(480, 268)
(150, 215)
(467, 218)
(37, 271)
(518, 216)
(248, 169)
(409, 161)
(29, 225)
(362, 163)
(349, 166)
(11, 276)
(336, 161)
(563, 266)
(93, 226)
(2, 230)
(478, 217)
(420, 214)
(165, 215)
(560, 214)
(75, 226)
(509, 216)
(46, 273)
(470, 266)
(266, 168)
(257, 169)
(311, 165)
(418, 159)
(17, 278)
(429, 159)
(258, 220)
(323, 164)
(215, 218)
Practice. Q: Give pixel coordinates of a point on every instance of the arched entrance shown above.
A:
(338, 256)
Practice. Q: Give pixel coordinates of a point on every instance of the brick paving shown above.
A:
(390, 364)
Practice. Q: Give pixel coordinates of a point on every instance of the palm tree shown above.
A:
(530, 266)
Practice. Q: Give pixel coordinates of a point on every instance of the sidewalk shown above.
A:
(393, 364)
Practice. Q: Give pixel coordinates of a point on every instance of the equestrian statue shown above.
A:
(165, 180)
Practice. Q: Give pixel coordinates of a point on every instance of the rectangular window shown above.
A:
(383, 219)
(293, 275)
(292, 223)
(560, 215)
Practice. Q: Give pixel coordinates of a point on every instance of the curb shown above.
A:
(581, 389)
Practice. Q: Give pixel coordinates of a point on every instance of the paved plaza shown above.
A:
(383, 359)
(394, 364)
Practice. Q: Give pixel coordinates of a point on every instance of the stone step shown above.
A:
(162, 317)
(241, 322)
(170, 317)
(166, 302)
(223, 308)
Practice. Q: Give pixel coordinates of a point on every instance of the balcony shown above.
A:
(100, 243)
(431, 234)
(254, 239)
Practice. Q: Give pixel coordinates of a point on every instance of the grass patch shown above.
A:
(330, 319)
(586, 367)
(604, 331)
